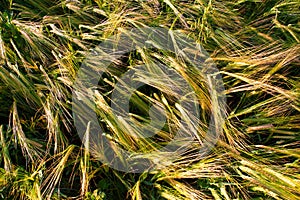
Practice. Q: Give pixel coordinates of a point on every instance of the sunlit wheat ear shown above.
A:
(5, 151)
(54, 173)
(85, 163)
(263, 175)
(29, 148)
(178, 190)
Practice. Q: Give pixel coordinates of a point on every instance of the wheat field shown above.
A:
(255, 47)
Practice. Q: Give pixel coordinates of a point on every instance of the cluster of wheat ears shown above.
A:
(255, 47)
